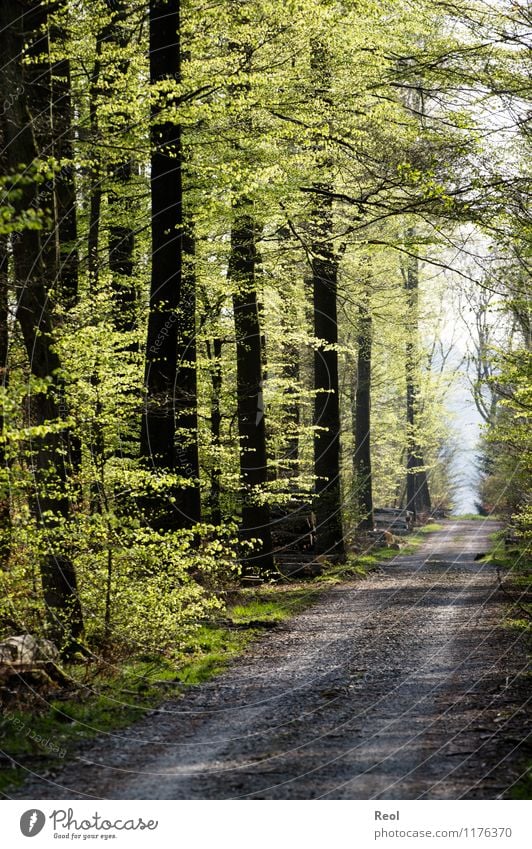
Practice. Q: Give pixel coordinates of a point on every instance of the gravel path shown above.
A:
(401, 686)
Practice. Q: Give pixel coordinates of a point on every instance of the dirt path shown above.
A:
(401, 686)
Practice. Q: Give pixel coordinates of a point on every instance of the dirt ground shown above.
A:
(402, 686)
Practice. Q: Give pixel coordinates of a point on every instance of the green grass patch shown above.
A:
(430, 528)
(356, 566)
(274, 603)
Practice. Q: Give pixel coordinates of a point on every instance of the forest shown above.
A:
(247, 248)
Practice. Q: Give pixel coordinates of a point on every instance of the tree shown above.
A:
(5, 511)
(362, 453)
(242, 272)
(170, 397)
(417, 489)
(324, 266)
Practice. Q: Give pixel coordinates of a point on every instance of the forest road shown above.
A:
(401, 686)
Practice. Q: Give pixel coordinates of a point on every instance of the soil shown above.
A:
(401, 686)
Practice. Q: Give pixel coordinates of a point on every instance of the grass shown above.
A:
(107, 698)
(430, 528)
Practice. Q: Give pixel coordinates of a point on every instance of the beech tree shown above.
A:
(242, 271)
(362, 452)
(417, 489)
(170, 390)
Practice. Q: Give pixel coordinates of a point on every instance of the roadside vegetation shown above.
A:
(513, 562)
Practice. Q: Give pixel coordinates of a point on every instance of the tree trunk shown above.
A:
(121, 233)
(289, 459)
(324, 267)
(417, 488)
(49, 502)
(66, 229)
(5, 512)
(186, 388)
(214, 353)
(255, 523)
(328, 497)
(171, 322)
(95, 177)
(121, 246)
(362, 456)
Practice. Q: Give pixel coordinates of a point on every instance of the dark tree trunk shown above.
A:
(121, 246)
(362, 457)
(291, 372)
(251, 423)
(186, 388)
(64, 187)
(121, 233)
(95, 176)
(5, 512)
(328, 496)
(170, 389)
(417, 488)
(324, 267)
(214, 352)
(49, 502)
(49, 110)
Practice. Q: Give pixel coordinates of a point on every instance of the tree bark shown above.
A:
(121, 246)
(324, 268)
(214, 353)
(171, 322)
(292, 415)
(255, 524)
(328, 497)
(417, 488)
(362, 456)
(5, 512)
(121, 233)
(66, 229)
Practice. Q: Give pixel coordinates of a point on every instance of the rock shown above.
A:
(26, 649)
